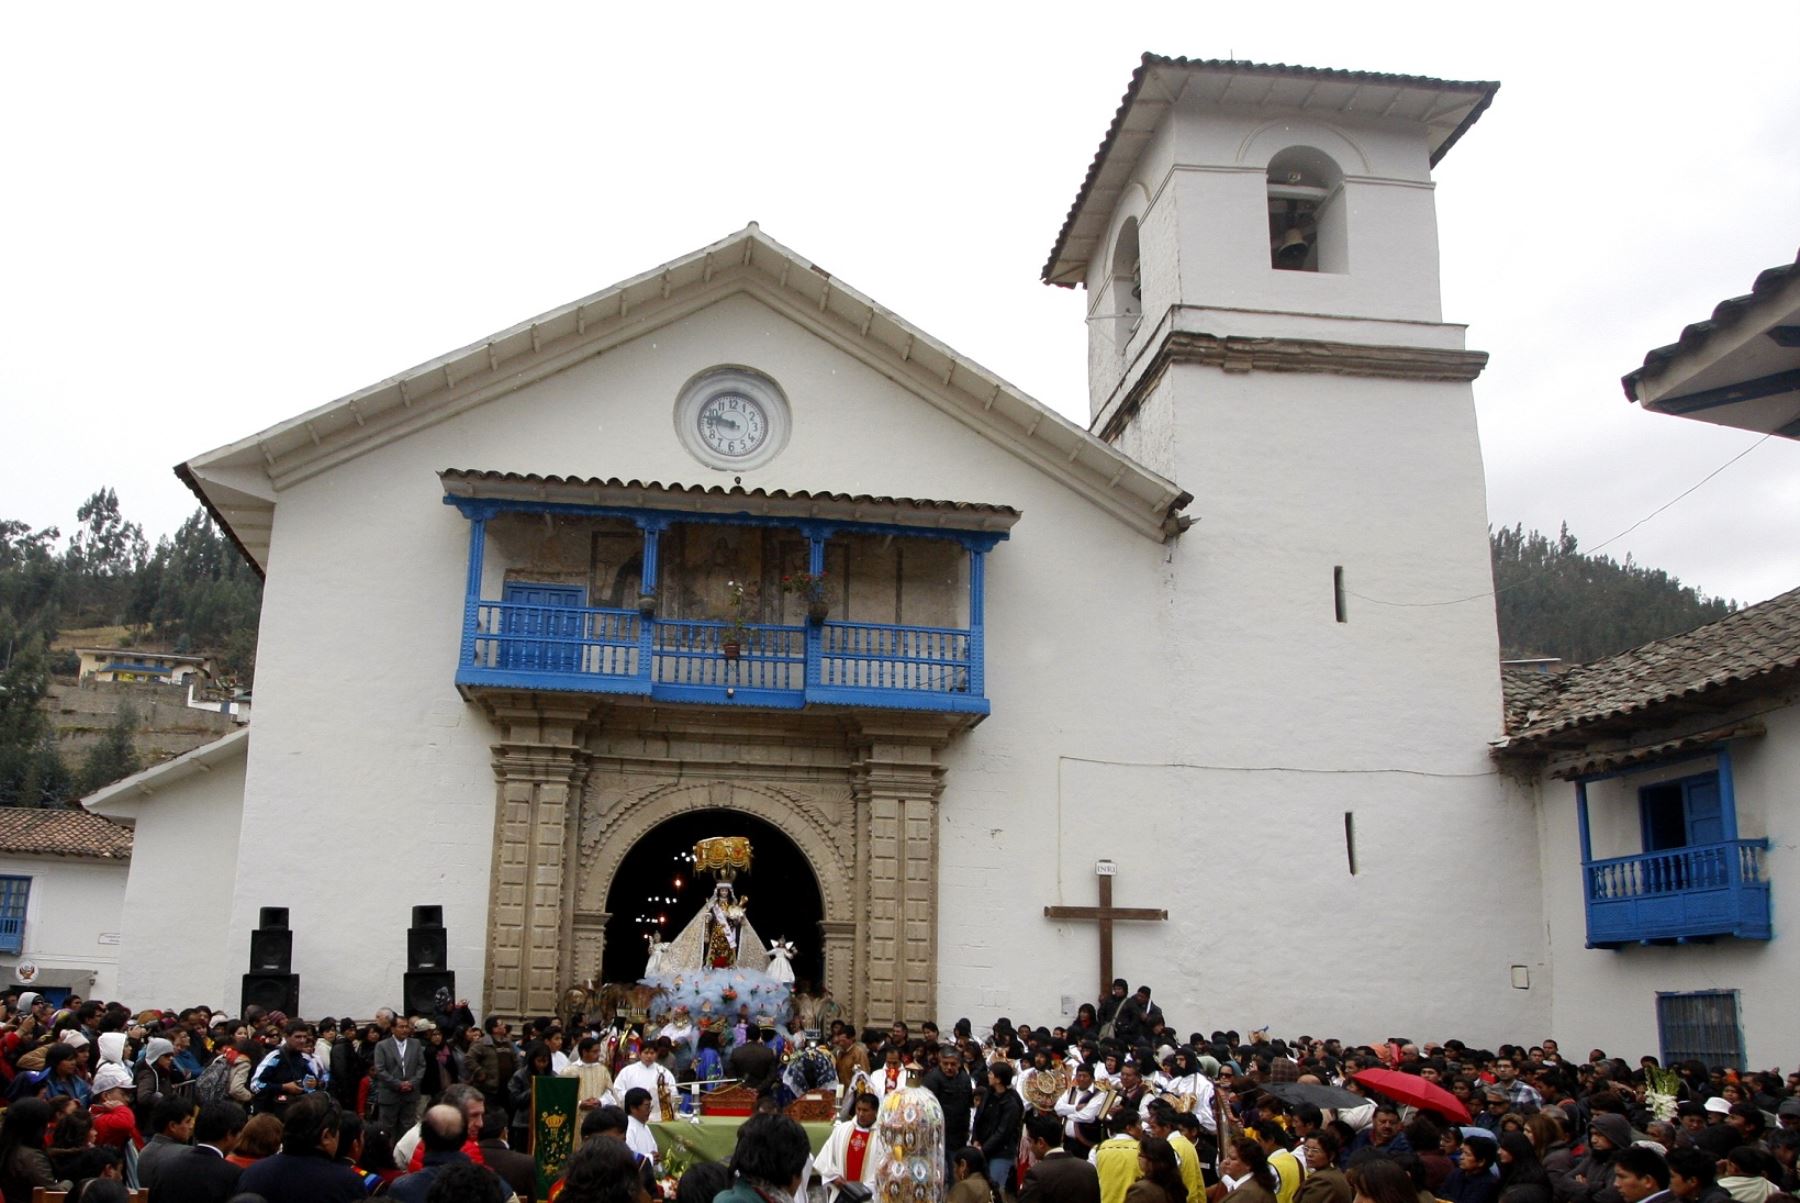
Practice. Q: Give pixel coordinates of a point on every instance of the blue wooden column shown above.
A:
(472, 591)
(977, 621)
(815, 632)
(650, 581)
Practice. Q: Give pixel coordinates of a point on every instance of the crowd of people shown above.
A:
(1111, 1107)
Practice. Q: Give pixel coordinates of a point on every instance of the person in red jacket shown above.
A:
(114, 1123)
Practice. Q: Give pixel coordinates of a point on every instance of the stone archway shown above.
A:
(579, 779)
(611, 827)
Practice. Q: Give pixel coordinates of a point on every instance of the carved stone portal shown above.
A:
(582, 780)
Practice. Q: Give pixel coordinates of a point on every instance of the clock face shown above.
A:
(733, 425)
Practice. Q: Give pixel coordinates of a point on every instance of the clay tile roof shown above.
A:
(1760, 642)
(1724, 314)
(52, 832)
(911, 510)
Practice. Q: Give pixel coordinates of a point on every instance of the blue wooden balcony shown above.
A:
(1696, 892)
(597, 650)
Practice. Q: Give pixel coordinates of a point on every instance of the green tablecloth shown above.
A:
(714, 1137)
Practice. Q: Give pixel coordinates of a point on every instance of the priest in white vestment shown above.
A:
(646, 1074)
(852, 1152)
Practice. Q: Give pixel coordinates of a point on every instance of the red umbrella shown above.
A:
(1416, 1091)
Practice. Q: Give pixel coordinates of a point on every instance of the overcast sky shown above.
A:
(216, 217)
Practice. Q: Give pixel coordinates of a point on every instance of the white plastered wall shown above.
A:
(71, 919)
(1606, 998)
(177, 901)
(1101, 644)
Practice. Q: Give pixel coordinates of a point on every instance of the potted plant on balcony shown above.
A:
(737, 631)
(811, 587)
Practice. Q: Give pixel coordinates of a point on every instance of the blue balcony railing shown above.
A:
(1696, 892)
(587, 650)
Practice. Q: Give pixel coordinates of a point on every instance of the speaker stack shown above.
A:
(430, 985)
(271, 983)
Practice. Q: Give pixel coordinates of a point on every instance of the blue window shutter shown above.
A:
(15, 892)
(1705, 821)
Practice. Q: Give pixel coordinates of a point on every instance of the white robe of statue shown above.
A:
(688, 950)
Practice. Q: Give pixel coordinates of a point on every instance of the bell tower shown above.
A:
(1258, 246)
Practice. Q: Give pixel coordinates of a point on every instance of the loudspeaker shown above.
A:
(428, 992)
(272, 917)
(426, 948)
(428, 916)
(272, 992)
(272, 951)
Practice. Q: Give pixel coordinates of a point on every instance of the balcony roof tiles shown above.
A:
(799, 504)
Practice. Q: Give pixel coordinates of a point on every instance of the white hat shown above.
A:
(111, 1077)
(75, 1037)
(157, 1049)
(1718, 1104)
(29, 999)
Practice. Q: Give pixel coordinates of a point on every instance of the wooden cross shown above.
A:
(1106, 914)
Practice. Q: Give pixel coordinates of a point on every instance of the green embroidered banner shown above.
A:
(553, 1128)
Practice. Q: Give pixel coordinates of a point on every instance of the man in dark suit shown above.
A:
(398, 1072)
(1058, 1176)
(516, 1169)
(754, 1061)
(201, 1174)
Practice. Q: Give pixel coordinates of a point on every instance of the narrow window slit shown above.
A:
(1350, 839)
(1337, 592)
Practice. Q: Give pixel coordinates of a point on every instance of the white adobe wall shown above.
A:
(1607, 998)
(178, 899)
(1199, 192)
(72, 907)
(1102, 644)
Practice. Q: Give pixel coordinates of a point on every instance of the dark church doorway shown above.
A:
(655, 891)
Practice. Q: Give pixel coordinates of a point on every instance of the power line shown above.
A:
(1457, 601)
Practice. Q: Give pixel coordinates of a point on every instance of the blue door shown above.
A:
(542, 627)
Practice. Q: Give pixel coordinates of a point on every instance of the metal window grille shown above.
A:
(1700, 1025)
(14, 893)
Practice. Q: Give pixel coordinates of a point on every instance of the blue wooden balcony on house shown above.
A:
(1695, 880)
(1681, 894)
(544, 635)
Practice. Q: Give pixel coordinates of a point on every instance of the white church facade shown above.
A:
(572, 567)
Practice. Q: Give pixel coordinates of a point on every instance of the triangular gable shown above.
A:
(239, 483)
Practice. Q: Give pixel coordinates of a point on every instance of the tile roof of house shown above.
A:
(1724, 314)
(1757, 643)
(57, 832)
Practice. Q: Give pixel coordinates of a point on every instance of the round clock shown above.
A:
(733, 424)
(732, 418)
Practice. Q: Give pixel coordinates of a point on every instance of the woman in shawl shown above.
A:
(1522, 1176)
